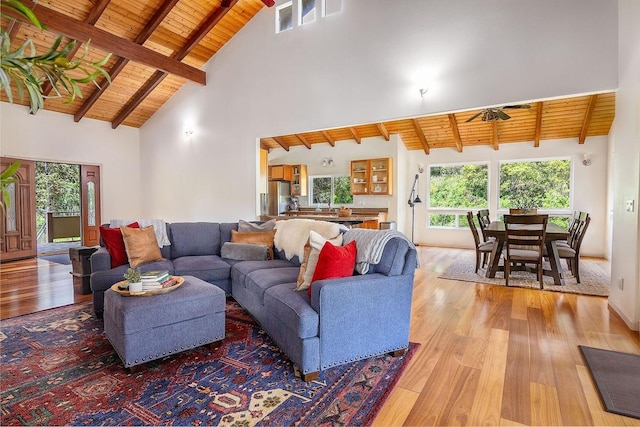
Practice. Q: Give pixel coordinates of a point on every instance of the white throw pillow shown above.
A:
(311, 252)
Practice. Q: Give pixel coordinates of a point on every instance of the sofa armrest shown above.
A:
(362, 316)
(100, 260)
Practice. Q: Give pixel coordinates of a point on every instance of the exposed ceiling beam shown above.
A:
(421, 137)
(538, 129)
(12, 29)
(281, 142)
(494, 133)
(330, 140)
(146, 89)
(354, 132)
(587, 118)
(93, 17)
(302, 139)
(158, 76)
(456, 133)
(264, 145)
(383, 130)
(120, 63)
(62, 24)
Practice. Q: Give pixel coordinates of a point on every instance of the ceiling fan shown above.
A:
(494, 114)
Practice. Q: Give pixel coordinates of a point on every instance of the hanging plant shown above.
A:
(29, 71)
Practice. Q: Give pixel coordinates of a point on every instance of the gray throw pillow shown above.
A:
(248, 227)
(244, 251)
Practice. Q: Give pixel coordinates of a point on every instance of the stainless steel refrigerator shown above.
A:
(279, 197)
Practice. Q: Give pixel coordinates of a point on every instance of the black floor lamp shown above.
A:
(414, 198)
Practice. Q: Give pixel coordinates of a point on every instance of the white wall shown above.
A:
(625, 169)
(364, 64)
(54, 137)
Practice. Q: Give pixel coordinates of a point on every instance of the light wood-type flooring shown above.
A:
(488, 355)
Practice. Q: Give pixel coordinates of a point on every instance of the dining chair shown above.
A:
(572, 253)
(482, 248)
(524, 242)
(484, 221)
(573, 224)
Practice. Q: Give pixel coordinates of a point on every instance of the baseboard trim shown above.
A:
(634, 325)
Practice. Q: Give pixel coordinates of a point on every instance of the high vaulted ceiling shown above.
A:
(157, 46)
(577, 117)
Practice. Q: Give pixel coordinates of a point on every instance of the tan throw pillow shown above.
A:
(255, 238)
(141, 245)
(311, 254)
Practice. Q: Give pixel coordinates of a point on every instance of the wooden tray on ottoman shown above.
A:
(114, 287)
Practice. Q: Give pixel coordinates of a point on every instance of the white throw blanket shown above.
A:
(159, 227)
(370, 245)
(292, 234)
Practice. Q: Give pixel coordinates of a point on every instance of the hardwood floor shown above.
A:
(31, 285)
(488, 355)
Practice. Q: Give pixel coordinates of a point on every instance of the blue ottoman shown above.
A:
(145, 328)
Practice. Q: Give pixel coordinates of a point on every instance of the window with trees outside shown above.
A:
(454, 190)
(330, 190)
(541, 184)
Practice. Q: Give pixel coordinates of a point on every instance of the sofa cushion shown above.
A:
(293, 309)
(141, 245)
(334, 262)
(225, 231)
(194, 238)
(257, 282)
(241, 269)
(114, 243)
(246, 226)
(204, 267)
(255, 238)
(393, 258)
(311, 253)
(244, 251)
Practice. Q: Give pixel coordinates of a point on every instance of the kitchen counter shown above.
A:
(364, 221)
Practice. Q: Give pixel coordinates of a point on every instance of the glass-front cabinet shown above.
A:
(371, 177)
(380, 172)
(299, 180)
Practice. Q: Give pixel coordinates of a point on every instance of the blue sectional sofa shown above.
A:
(344, 319)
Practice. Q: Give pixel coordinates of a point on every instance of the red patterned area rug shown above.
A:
(58, 368)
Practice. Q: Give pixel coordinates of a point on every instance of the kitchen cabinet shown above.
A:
(371, 177)
(299, 180)
(280, 173)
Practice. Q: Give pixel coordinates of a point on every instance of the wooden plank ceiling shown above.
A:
(157, 46)
(576, 117)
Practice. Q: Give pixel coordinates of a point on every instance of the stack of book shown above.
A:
(158, 279)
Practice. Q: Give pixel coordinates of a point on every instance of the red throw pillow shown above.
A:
(335, 261)
(113, 241)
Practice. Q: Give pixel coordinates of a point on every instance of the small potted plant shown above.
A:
(133, 277)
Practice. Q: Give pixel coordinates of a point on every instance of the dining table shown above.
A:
(553, 234)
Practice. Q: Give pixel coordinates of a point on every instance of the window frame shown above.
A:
(310, 179)
(278, 9)
(459, 213)
(568, 212)
(301, 18)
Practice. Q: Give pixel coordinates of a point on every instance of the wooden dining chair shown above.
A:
(524, 242)
(573, 225)
(484, 221)
(482, 248)
(572, 252)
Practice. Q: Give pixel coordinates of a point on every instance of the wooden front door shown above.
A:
(18, 225)
(90, 200)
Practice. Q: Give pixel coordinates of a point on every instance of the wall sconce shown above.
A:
(423, 92)
(586, 159)
(188, 132)
(420, 167)
(328, 161)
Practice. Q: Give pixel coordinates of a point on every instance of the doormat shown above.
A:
(57, 258)
(594, 280)
(58, 368)
(617, 378)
